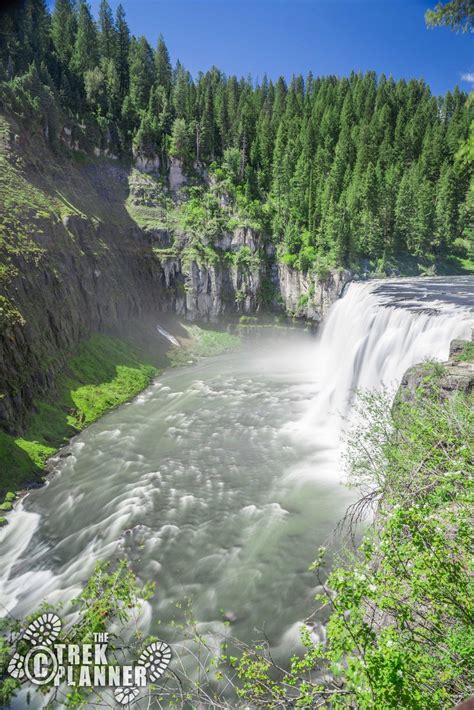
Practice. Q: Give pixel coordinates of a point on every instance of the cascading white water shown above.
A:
(221, 480)
(167, 335)
(368, 341)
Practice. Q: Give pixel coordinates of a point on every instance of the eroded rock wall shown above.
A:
(306, 295)
(76, 261)
(90, 278)
(454, 375)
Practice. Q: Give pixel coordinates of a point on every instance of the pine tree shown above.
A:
(405, 211)
(386, 208)
(65, 91)
(446, 209)
(86, 55)
(264, 151)
(433, 151)
(63, 30)
(37, 31)
(421, 241)
(112, 82)
(343, 159)
(107, 32)
(142, 73)
(279, 102)
(281, 180)
(164, 73)
(207, 130)
(222, 116)
(181, 145)
(245, 130)
(122, 49)
(181, 98)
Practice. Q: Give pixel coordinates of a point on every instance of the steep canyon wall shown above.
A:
(75, 259)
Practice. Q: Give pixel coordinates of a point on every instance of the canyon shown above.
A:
(80, 258)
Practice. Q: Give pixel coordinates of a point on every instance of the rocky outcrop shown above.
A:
(208, 292)
(216, 290)
(82, 255)
(146, 163)
(455, 375)
(240, 237)
(306, 295)
(177, 178)
(203, 289)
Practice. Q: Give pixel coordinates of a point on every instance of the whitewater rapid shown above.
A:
(221, 480)
(373, 335)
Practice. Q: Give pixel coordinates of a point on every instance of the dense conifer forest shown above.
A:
(336, 169)
(150, 218)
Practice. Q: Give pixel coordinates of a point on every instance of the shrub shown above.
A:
(106, 604)
(245, 258)
(307, 258)
(401, 611)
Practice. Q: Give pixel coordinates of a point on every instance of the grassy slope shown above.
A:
(104, 373)
(205, 342)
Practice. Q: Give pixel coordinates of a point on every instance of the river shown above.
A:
(220, 481)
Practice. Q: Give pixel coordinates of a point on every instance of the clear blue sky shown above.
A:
(294, 36)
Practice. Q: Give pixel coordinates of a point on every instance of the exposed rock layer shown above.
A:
(305, 295)
(92, 268)
(456, 375)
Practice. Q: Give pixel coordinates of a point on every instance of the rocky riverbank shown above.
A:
(454, 375)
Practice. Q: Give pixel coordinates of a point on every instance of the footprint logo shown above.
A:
(125, 696)
(155, 658)
(16, 667)
(43, 631)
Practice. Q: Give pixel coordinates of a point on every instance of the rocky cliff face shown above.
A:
(306, 296)
(455, 375)
(85, 248)
(208, 292)
(90, 277)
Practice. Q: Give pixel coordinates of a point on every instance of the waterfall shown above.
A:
(371, 336)
(167, 335)
(222, 479)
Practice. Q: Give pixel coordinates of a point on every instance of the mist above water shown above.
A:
(221, 480)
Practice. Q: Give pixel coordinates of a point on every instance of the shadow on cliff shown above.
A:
(104, 372)
(17, 468)
(96, 188)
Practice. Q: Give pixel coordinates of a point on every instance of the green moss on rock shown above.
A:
(104, 373)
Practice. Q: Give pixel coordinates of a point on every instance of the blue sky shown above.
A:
(294, 36)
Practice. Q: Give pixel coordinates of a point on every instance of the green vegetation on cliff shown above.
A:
(104, 373)
(344, 169)
(205, 342)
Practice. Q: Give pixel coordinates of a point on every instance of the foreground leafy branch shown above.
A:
(399, 633)
(398, 611)
(110, 599)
